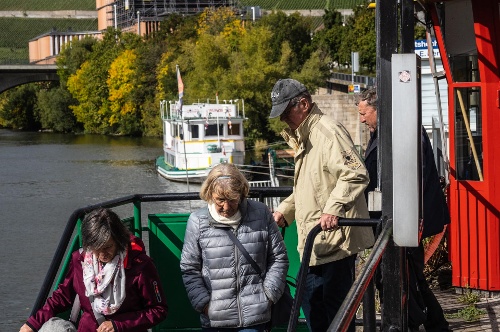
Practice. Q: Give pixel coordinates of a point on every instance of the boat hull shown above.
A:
(173, 174)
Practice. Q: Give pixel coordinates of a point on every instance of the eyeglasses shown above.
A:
(221, 201)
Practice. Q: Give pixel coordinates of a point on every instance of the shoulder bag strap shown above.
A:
(244, 252)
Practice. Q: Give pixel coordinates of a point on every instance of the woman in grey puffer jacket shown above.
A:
(221, 284)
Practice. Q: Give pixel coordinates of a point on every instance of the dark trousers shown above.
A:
(326, 288)
(436, 322)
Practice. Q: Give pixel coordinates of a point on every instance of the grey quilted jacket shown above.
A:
(215, 272)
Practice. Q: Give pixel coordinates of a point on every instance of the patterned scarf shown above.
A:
(105, 282)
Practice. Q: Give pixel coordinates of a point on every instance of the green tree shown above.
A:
(53, 106)
(89, 84)
(361, 38)
(329, 39)
(18, 109)
(71, 58)
(294, 29)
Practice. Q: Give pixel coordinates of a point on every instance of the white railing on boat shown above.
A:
(271, 202)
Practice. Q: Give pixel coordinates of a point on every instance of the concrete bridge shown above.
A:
(14, 75)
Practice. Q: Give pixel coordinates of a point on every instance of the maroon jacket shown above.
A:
(144, 306)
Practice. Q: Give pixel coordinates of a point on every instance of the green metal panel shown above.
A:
(166, 237)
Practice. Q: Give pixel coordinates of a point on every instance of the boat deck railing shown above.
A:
(362, 285)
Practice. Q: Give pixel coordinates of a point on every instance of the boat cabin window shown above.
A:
(468, 127)
(176, 130)
(460, 41)
(195, 131)
(235, 129)
(211, 130)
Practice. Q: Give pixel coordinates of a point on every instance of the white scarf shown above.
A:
(106, 283)
(232, 221)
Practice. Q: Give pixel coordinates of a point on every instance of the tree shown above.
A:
(18, 109)
(294, 29)
(361, 38)
(125, 115)
(53, 106)
(329, 39)
(89, 84)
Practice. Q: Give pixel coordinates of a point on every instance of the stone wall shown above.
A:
(341, 107)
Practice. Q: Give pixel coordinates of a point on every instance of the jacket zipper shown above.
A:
(236, 260)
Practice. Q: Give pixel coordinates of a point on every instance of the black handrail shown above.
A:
(306, 256)
(255, 192)
(353, 298)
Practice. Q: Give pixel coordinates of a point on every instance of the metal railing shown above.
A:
(349, 306)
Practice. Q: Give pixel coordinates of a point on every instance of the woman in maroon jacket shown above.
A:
(117, 283)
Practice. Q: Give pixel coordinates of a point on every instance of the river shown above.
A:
(44, 177)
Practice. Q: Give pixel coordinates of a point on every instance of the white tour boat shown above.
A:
(199, 137)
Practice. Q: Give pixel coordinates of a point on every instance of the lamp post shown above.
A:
(139, 23)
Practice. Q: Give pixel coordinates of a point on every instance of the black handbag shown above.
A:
(281, 310)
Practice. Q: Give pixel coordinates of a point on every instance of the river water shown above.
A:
(44, 177)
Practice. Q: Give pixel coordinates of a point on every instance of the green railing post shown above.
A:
(137, 219)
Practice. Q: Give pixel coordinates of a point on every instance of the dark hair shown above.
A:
(370, 96)
(225, 180)
(99, 226)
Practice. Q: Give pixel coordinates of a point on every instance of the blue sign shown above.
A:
(422, 50)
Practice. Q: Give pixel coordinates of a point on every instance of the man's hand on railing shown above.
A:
(328, 222)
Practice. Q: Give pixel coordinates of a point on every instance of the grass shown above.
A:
(47, 5)
(470, 313)
(25, 29)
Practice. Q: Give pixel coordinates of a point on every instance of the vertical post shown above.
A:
(139, 23)
(386, 20)
(253, 14)
(137, 219)
(115, 18)
(352, 69)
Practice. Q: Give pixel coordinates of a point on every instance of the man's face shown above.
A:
(367, 115)
(295, 113)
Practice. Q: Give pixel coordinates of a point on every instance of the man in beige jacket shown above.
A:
(329, 182)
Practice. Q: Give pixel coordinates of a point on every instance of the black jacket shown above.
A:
(436, 213)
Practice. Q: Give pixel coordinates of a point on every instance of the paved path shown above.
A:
(490, 321)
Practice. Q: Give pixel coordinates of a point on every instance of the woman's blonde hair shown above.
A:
(226, 181)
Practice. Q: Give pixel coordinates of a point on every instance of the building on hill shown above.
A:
(142, 17)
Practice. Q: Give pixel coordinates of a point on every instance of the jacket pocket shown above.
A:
(327, 243)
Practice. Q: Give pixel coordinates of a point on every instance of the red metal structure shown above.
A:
(467, 32)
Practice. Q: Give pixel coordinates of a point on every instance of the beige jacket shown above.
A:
(330, 177)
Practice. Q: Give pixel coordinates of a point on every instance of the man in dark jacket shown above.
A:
(435, 213)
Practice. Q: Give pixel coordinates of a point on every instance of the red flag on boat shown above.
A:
(180, 86)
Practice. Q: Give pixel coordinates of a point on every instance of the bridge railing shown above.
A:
(343, 78)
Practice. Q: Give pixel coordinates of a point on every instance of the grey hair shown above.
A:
(99, 226)
(297, 98)
(225, 180)
(370, 96)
